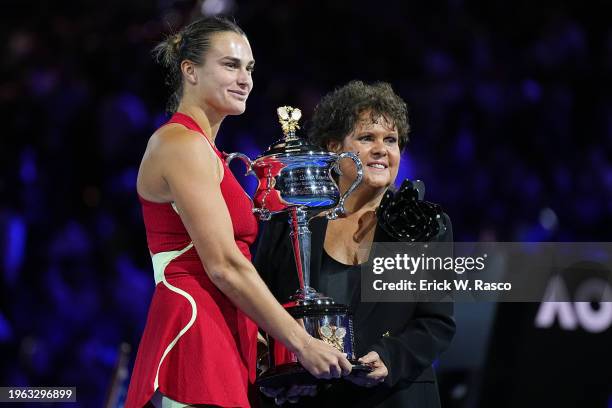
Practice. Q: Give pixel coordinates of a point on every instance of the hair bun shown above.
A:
(175, 41)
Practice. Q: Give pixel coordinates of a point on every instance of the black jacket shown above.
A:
(407, 336)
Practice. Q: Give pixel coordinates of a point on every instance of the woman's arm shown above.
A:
(189, 167)
(407, 354)
(425, 337)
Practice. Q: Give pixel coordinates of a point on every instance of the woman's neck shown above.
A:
(362, 199)
(207, 120)
(348, 239)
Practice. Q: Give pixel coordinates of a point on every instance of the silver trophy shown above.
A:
(295, 177)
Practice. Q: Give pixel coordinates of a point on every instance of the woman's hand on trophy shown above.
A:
(322, 360)
(291, 395)
(406, 217)
(376, 376)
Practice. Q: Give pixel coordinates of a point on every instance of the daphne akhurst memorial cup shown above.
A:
(296, 178)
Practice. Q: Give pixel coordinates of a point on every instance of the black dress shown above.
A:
(340, 281)
(409, 337)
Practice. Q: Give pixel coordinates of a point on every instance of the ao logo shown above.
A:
(572, 315)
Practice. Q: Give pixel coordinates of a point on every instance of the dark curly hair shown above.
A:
(338, 112)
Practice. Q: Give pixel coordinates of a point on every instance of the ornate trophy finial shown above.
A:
(288, 118)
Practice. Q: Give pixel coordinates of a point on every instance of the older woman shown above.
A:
(199, 342)
(399, 341)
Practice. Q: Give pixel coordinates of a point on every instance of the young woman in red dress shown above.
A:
(199, 343)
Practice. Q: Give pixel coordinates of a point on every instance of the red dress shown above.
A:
(197, 347)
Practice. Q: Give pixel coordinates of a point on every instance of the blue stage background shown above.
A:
(511, 115)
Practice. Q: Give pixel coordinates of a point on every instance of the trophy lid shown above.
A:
(291, 144)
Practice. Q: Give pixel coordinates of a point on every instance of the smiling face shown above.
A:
(225, 80)
(376, 143)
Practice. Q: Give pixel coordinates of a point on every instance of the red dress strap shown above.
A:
(191, 124)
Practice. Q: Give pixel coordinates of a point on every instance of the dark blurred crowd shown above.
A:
(511, 116)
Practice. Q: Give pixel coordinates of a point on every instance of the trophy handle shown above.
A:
(245, 159)
(339, 210)
(263, 213)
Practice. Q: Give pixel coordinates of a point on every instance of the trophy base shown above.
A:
(322, 319)
(294, 374)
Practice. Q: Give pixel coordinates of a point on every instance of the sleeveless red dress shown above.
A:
(197, 347)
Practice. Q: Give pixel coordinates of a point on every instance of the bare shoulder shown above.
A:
(171, 150)
(174, 139)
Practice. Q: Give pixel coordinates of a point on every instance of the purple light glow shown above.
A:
(15, 249)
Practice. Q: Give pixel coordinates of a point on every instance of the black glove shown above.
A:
(407, 218)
